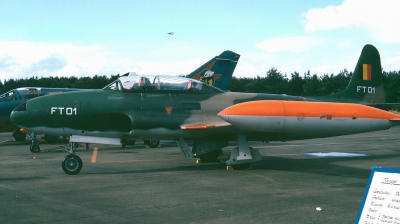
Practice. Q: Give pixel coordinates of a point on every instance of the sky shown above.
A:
(96, 37)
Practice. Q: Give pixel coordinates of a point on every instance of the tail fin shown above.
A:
(366, 84)
(218, 71)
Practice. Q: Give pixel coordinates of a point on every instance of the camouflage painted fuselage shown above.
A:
(136, 115)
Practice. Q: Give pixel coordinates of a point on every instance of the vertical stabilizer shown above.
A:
(218, 71)
(366, 84)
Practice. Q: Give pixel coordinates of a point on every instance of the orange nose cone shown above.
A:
(23, 130)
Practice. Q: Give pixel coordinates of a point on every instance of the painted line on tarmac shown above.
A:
(94, 155)
(4, 141)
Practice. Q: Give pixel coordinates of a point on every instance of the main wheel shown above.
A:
(125, 142)
(152, 143)
(210, 157)
(72, 164)
(35, 148)
(243, 166)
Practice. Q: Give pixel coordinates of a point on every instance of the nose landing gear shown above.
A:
(35, 148)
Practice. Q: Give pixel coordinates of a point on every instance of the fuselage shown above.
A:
(144, 115)
(161, 107)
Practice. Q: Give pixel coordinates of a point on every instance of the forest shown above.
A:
(274, 82)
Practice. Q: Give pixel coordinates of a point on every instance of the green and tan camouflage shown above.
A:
(185, 110)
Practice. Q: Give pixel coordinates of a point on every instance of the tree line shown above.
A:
(273, 82)
(310, 85)
(95, 82)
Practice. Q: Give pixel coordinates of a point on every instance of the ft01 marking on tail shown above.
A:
(67, 111)
(365, 89)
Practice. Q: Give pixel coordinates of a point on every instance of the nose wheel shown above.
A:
(71, 164)
(35, 148)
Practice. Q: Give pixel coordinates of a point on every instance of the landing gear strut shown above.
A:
(72, 164)
(242, 156)
(35, 148)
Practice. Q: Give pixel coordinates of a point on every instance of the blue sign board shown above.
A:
(381, 201)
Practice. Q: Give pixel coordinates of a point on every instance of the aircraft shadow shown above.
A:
(321, 166)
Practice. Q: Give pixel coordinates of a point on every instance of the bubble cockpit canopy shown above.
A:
(159, 83)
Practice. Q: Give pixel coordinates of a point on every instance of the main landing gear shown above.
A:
(210, 157)
(72, 164)
(242, 156)
(152, 143)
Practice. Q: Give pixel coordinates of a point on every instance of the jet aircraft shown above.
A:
(182, 109)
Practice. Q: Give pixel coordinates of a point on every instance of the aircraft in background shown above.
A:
(13, 98)
(182, 109)
(217, 71)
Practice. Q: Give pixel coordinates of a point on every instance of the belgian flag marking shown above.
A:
(366, 72)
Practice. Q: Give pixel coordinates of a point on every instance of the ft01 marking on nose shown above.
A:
(63, 110)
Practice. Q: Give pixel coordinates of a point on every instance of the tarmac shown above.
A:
(158, 185)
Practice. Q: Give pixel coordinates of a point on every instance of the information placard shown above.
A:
(381, 201)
